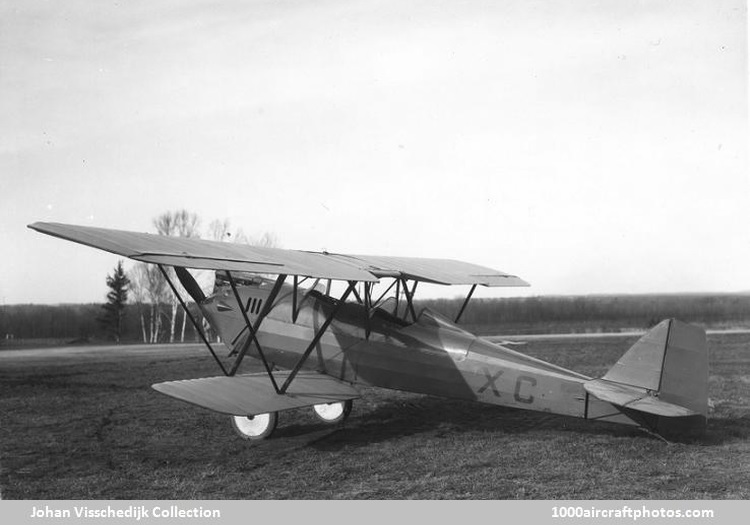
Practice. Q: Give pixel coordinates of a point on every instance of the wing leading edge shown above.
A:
(206, 255)
(253, 394)
(214, 255)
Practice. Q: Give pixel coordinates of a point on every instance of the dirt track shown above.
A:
(100, 352)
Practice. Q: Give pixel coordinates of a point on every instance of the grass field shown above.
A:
(85, 424)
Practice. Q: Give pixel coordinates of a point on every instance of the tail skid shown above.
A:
(662, 381)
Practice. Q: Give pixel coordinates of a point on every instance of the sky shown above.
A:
(587, 146)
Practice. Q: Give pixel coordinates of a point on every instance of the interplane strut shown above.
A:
(317, 337)
(466, 302)
(253, 329)
(190, 316)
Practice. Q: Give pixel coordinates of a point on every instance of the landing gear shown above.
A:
(255, 427)
(333, 412)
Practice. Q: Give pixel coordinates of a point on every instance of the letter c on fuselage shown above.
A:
(528, 399)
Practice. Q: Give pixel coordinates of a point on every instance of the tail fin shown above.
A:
(662, 381)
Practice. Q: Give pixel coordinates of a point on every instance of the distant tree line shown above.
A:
(596, 313)
(78, 322)
(75, 323)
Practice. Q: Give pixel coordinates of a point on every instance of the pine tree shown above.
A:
(114, 308)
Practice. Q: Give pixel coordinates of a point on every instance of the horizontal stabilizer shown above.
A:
(635, 398)
(662, 381)
(253, 394)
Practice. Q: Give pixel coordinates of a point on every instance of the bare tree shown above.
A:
(223, 231)
(149, 288)
(139, 292)
(180, 223)
(267, 240)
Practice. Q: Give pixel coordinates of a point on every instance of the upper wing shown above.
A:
(213, 255)
(209, 255)
(439, 271)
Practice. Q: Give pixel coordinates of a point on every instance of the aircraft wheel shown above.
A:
(255, 427)
(333, 412)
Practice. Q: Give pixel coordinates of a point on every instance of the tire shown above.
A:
(333, 412)
(255, 428)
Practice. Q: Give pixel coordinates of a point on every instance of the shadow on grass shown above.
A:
(723, 430)
(442, 418)
(438, 418)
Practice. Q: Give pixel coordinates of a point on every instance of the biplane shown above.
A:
(317, 345)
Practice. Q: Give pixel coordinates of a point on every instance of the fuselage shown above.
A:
(429, 356)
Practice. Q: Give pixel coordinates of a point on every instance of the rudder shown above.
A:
(662, 380)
